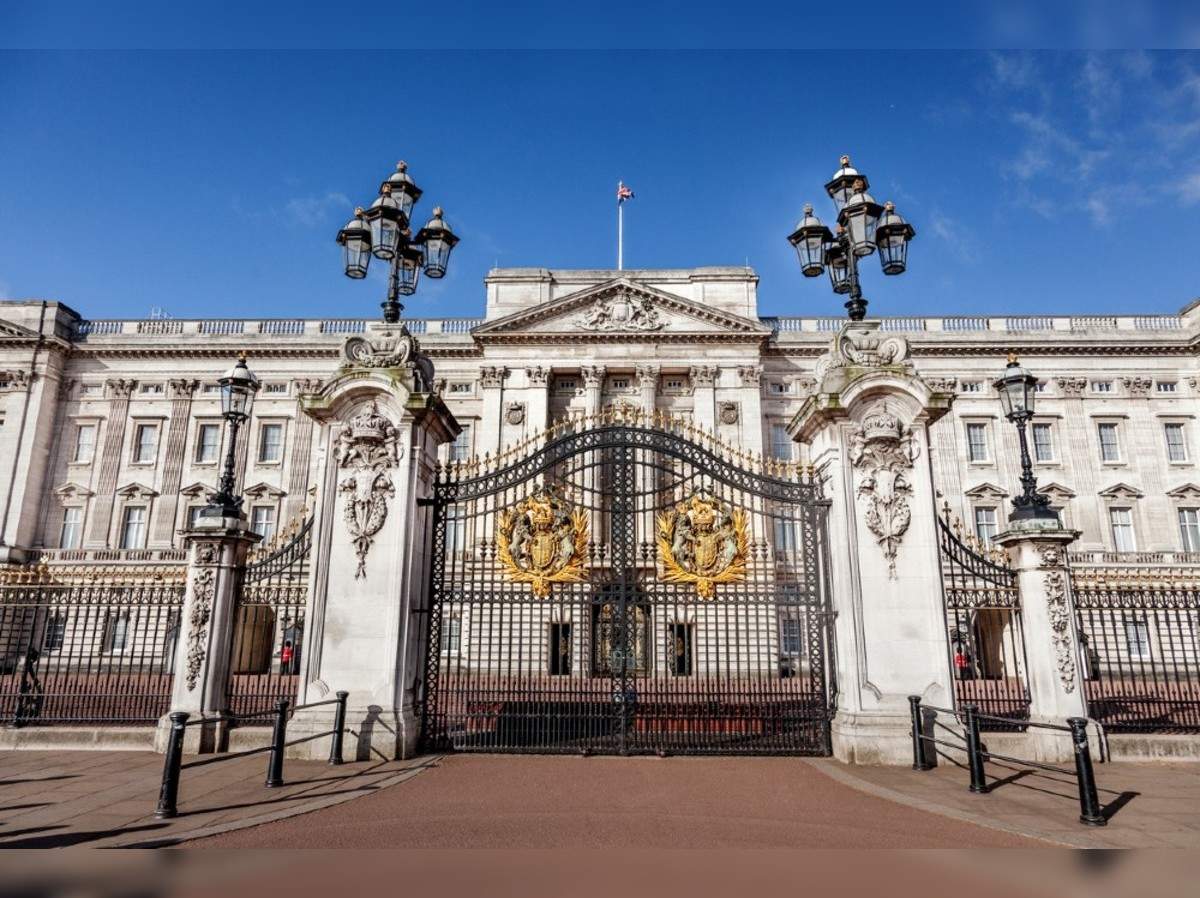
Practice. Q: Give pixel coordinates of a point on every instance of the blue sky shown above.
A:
(211, 183)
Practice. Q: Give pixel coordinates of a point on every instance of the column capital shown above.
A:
(593, 375)
(538, 375)
(703, 375)
(492, 377)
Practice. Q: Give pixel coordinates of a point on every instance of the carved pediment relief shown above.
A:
(265, 491)
(1188, 491)
(197, 490)
(73, 491)
(620, 307)
(137, 491)
(1121, 491)
(986, 491)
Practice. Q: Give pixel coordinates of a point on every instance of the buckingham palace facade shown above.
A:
(111, 429)
(619, 511)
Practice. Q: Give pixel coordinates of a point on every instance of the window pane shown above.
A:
(1043, 450)
(781, 443)
(71, 528)
(976, 442)
(460, 449)
(262, 521)
(1176, 447)
(85, 442)
(1189, 529)
(147, 443)
(133, 528)
(1137, 639)
(985, 523)
(208, 443)
(1122, 529)
(270, 443)
(1109, 449)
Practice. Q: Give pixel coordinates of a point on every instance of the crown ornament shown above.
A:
(370, 425)
(881, 425)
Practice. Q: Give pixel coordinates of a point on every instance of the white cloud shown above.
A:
(311, 211)
(1189, 189)
(959, 239)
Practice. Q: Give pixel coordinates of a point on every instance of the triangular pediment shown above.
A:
(265, 491)
(1187, 491)
(8, 329)
(137, 491)
(623, 308)
(1057, 491)
(69, 491)
(986, 491)
(1121, 491)
(197, 490)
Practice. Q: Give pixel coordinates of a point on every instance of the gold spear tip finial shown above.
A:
(385, 190)
(359, 211)
(438, 212)
(1012, 358)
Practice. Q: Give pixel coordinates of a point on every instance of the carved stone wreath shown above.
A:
(368, 448)
(883, 450)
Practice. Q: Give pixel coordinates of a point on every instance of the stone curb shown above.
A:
(419, 765)
(842, 775)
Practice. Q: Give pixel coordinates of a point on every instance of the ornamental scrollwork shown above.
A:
(883, 450)
(204, 590)
(623, 312)
(1055, 584)
(543, 540)
(368, 447)
(704, 543)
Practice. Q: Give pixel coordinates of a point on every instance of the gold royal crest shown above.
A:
(542, 541)
(702, 542)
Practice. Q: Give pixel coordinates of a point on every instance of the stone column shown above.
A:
(182, 390)
(491, 385)
(647, 381)
(300, 464)
(538, 412)
(867, 426)
(750, 400)
(593, 387)
(216, 555)
(379, 430)
(704, 396)
(1048, 628)
(110, 462)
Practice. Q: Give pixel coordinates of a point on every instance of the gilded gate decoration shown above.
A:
(703, 543)
(627, 584)
(542, 541)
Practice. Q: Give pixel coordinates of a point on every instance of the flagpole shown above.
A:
(620, 229)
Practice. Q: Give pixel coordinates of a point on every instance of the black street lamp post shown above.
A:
(864, 226)
(383, 231)
(238, 388)
(1018, 391)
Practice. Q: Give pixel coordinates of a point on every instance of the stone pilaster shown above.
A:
(1052, 669)
(537, 410)
(181, 390)
(750, 412)
(593, 387)
(704, 396)
(110, 462)
(647, 381)
(379, 428)
(867, 426)
(491, 386)
(216, 556)
(300, 464)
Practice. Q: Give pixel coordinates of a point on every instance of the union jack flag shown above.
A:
(623, 193)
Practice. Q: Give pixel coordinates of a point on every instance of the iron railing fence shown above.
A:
(269, 626)
(1139, 647)
(88, 647)
(983, 627)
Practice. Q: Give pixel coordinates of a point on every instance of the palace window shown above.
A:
(560, 650)
(193, 515)
(72, 528)
(972, 386)
(977, 448)
(1137, 639)
(1110, 446)
(460, 388)
(262, 521)
(674, 383)
(781, 443)
(56, 632)
(1121, 523)
(133, 527)
(460, 449)
(208, 443)
(85, 443)
(1189, 529)
(791, 637)
(1176, 442)
(116, 632)
(275, 389)
(270, 443)
(1165, 386)
(785, 535)
(451, 634)
(985, 523)
(152, 389)
(681, 649)
(456, 530)
(620, 383)
(1102, 386)
(777, 388)
(145, 444)
(1043, 446)
(566, 383)
(1040, 387)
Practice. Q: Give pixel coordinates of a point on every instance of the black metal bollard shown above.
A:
(168, 793)
(339, 729)
(1089, 801)
(918, 735)
(975, 751)
(278, 738)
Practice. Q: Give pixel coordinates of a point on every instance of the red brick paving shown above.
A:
(482, 801)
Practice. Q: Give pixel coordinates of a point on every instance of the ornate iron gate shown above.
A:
(983, 625)
(268, 637)
(627, 585)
